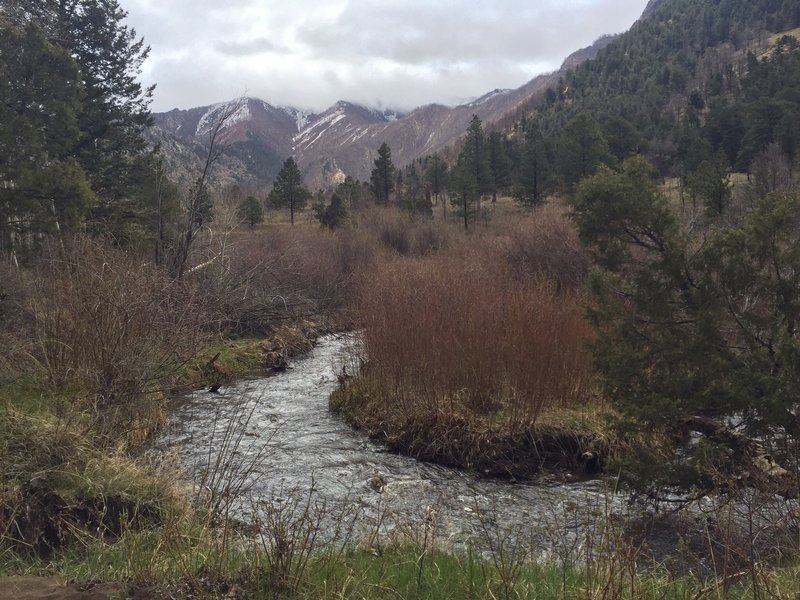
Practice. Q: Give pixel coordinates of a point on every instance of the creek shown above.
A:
(267, 442)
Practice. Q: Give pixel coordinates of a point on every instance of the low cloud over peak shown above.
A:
(397, 54)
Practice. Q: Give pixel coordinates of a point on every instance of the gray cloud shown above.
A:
(248, 47)
(400, 54)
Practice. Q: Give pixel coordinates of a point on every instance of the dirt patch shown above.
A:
(41, 588)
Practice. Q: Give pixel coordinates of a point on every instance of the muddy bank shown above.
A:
(474, 442)
(39, 588)
(37, 518)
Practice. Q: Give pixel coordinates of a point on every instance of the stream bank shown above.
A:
(269, 448)
(274, 439)
(568, 447)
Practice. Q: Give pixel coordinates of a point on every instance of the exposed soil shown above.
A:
(50, 588)
(38, 518)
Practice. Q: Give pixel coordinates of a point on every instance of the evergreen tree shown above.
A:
(250, 211)
(623, 138)
(383, 175)
(475, 156)
(436, 174)
(709, 183)
(115, 109)
(581, 150)
(499, 164)
(43, 189)
(464, 190)
(334, 214)
(415, 199)
(692, 325)
(350, 193)
(533, 164)
(288, 191)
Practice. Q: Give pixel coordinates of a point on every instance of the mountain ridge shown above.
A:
(338, 141)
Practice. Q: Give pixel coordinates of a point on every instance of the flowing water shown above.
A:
(270, 441)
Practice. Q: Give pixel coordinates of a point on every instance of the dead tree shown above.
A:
(197, 201)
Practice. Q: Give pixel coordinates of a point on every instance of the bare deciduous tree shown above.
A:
(198, 201)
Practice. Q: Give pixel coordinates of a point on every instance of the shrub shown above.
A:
(109, 324)
(453, 333)
(545, 245)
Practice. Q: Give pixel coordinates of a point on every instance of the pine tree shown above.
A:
(288, 191)
(115, 109)
(334, 214)
(709, 183)
(416, 200)
(464, 190)
(533, 165)
(693, 324)
(436, 174)
(43, 189)
(383, 175)
(476, 158)
(250, 211)
(499, 164)
(581, 150)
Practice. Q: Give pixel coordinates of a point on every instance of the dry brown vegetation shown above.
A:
(453, 333)
(465, 348)
(475, 356)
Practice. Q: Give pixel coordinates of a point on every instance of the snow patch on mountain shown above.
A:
(319, 127)
(485, 98)
(218, 111)
(360, 133)
(301, 117)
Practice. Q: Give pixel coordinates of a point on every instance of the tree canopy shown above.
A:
(692, 322)
(73, 101)
(42, 184)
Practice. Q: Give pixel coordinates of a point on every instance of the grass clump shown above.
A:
(59, 483)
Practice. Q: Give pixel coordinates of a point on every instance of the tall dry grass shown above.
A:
(455, 333)
(541, 244)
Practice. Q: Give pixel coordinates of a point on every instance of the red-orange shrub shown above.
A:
(451, 332)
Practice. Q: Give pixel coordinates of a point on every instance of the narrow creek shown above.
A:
(278, 438)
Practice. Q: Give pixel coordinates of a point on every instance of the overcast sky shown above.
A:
(387, 53)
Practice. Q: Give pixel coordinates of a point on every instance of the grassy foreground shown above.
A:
(182, 560)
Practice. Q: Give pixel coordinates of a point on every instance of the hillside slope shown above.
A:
(684, 84)
(343, 140)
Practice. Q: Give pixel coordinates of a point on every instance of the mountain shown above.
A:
(681, 86)
(685, 85)
(342, 140)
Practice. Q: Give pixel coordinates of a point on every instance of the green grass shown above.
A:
(189, 555)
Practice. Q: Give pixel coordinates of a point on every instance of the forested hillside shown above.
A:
(690, 82)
